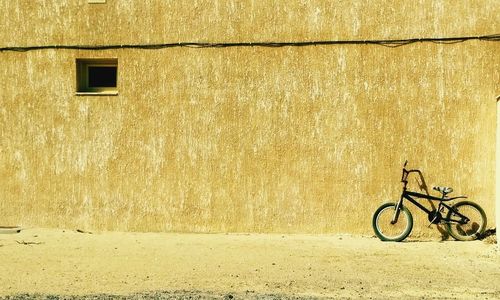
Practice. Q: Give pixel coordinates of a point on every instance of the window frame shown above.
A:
(82, 76)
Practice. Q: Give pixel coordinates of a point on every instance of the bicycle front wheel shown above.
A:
(459, 228)
(385, 229)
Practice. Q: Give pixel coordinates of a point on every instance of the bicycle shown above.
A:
(465, 220)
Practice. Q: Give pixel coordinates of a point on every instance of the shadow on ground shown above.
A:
(180, 295)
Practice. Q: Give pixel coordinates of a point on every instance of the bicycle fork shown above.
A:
(397, 211)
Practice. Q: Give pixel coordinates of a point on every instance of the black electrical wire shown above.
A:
(386, 43)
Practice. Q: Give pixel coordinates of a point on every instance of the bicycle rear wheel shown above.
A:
(383, 227)
(470, 230)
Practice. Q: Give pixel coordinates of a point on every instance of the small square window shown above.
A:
(97, 76)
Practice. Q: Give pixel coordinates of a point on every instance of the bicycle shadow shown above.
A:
(422, 185)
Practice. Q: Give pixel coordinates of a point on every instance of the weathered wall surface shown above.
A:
(133, 21)
(307, 139)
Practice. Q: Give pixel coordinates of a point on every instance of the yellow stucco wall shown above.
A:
(304, 139)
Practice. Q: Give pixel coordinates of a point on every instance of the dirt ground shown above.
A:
(52, 263)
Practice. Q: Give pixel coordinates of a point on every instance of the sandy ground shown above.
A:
(158, 265)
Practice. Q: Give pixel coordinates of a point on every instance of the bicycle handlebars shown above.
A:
(404, 177)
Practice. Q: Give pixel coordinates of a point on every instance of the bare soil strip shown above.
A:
(66, 264)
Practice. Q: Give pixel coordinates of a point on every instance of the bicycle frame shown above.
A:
(408, 196)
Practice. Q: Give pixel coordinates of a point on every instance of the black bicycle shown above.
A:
(465, 220)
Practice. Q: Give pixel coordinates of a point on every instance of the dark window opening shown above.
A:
(97, 76)
(102, 76)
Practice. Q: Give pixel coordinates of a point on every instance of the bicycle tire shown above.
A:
(474, 228)
(382, 219)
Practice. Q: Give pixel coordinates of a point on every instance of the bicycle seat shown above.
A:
(443, 189)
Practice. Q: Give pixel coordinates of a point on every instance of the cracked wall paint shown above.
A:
(304, 139)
